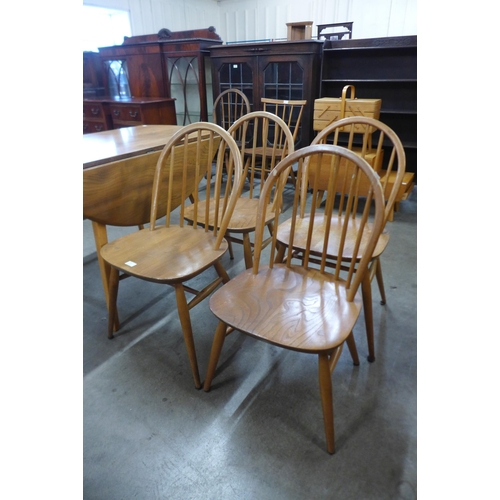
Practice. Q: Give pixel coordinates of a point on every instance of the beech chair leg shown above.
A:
(230, 248)
(219, 337)
(113, 280)
(221, 271)
(183, 310)
(366, 290)
(247, 251)
(325, 387)
(380, 281)
(280, 254)
(351, 344)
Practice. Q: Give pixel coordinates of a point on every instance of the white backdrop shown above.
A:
(239, 20)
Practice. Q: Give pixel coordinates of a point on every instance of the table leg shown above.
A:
(101, 239)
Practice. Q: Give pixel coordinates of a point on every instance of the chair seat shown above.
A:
(244, 218)
(295, 308)
(316, 248)
(165, 255)
(259, 151)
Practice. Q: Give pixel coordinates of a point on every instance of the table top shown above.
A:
(111, 145)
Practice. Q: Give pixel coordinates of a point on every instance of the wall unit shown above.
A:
(166, 64)
(111, 113)
(379, 68)
(277, 70)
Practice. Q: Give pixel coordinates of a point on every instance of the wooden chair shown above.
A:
(252, 129)
(369, 139)
(229, 106)
(304, 307)
(174, 253)
(289, 111)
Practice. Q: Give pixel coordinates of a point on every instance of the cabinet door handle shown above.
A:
(98, 128)
(94, 111)
(257, 49)
(133, 114)
(116, 112)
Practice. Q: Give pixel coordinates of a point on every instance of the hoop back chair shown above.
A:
(176, 252)
(368, 138)
(303, 307)
(290, 111)
(230, 105)
(252, 129)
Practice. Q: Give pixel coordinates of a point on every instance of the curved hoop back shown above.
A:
(187, 160)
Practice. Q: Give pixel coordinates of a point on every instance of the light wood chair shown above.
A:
(369, 139)
(304, 307)
(253, 129)
(290, 111)
(230, 105)
(174, 253)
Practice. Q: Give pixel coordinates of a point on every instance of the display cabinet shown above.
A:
(277, 70)
(166, 64)
(379, 68)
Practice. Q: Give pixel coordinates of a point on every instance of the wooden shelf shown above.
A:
(379, 68)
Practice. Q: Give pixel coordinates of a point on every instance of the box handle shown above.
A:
(343, 99)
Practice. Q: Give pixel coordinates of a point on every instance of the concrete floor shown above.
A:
(149, 434)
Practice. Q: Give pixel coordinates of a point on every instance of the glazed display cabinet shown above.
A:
(278, 70)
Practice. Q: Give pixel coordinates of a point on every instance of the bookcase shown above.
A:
(379, 68)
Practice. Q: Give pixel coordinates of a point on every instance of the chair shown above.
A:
(174, 253)
(230, 105)
(252, 129)
(368, 138)
(289, 111)
(304, 307)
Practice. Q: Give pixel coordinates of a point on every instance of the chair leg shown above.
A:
(220, 336)
(113, 324)
(325, 387)
(319, 198)
(183, 310)
(221, 271)
(366, 289)
(247, 251)
(380, 280)
(351, 344)
(280, 254)
(230, 248)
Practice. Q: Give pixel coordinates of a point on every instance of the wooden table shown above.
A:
(118, 170)
(112, 145)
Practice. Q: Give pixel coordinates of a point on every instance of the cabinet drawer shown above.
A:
(93, 111)
(126, 113)
(94, 126)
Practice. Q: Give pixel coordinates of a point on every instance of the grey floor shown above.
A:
(149, 434)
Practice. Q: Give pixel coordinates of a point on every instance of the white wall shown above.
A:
(237, 20)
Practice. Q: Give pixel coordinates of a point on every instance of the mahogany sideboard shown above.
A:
(107, 113)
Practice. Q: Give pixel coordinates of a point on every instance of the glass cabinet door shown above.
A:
(284, 80)
(117, 78)
(237, 75)
(184, 80)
